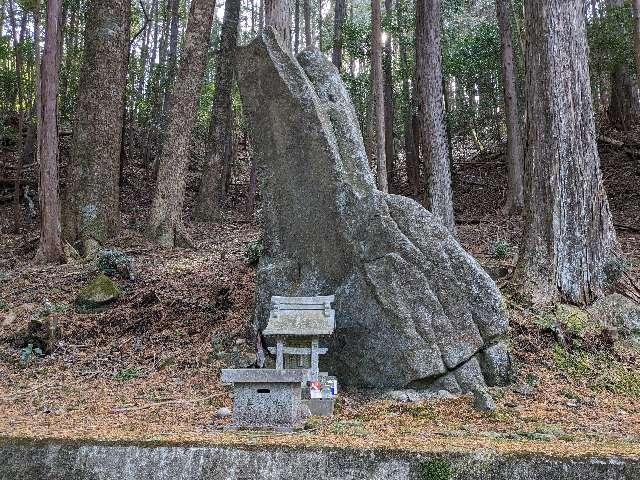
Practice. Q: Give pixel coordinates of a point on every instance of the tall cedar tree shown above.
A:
(624, 104)
(91, 210)
(165, 225)
(387, 66)
(221, 128)
(277, 13)
(569, 237)
(515, 151)
(636, 35)
(378, 96)
(438, 197)
(306, 10)
(50, 249)
(340, 12)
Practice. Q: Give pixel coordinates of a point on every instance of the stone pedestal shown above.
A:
(265, 398)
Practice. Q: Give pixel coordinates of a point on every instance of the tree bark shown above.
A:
(411, 159)
(624, 103)
(306, 7)
(390, 154)
(339, 16)
(515, 151)
(636, 36)
(378, 96)
(277, 13)
(172, 55)
(18, 39)
(50, 249)
(568, 237)
(296, 27)
(439, 197)
(221, 129)
(320, 24)
(165, 225)
(92, 196)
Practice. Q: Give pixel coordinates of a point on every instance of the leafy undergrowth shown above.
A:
(147, 367)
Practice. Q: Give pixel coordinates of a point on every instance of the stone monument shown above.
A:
(413, 309)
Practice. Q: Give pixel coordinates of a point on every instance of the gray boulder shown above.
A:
(413, 309)
(618, 311)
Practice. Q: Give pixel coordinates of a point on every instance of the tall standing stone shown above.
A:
(412, 307)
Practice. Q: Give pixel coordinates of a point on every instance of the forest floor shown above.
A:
(148, 367)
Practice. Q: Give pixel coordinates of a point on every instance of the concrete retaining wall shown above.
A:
(50, 460)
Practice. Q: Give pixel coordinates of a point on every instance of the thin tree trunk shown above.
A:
(515, 151)
(18, 39)
(320, 24)
(221, 130)
(261, 15)
(172, 56)
(390, 153)
(277, 14)
(296, 27)
(411, 159)
(624, 103)
(306, 7)
(165, 225)
(339, 15)
(636, 36)
(439, 196)
(378, 96)
(569, 237)
(91, 212)
(50, 249)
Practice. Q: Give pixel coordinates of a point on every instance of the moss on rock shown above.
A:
(99, 292)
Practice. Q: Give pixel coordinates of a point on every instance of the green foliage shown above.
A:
(500, 249)
(436, 469)
(129, 373)
(610, 39)
(253, 251)
(29, 352)
(600, 371)
(4, 305)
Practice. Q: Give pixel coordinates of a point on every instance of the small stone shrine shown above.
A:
(297, 324)
(273, 398)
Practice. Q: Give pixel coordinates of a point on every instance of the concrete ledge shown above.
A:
(262, 375)
(52, 460)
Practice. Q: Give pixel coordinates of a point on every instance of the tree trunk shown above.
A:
(636, 36)
(624, 103)
(390, 154)
(165, 224)
(277, 13)
(296, 27)
(320, 24)
(306, 7)
(18, 39)
(339, 15)
(172, 55)
(378, 96)
(568, 237)
(439, 197)
(515, 151)
(221, 129)
(411, 158)
(92, 195)
(50, 249)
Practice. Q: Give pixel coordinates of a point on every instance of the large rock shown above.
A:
(413, 309)
(620, 312)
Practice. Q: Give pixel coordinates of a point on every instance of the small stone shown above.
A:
(398, 395)
(524, 389)
(98, 292)
(223, 412)
(483, 401)
(572, 404)
(240, 341)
